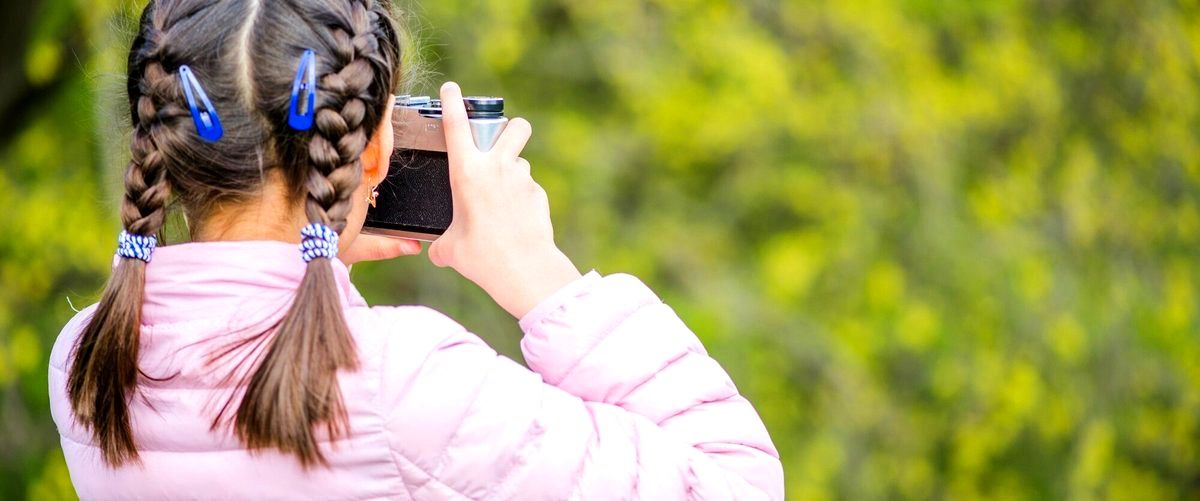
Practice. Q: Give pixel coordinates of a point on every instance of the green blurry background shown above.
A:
(949, 249)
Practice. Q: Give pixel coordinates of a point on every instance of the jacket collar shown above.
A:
(226, 280)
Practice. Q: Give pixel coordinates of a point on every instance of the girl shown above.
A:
(245, 365)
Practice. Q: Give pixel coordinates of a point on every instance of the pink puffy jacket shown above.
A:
(622, 401)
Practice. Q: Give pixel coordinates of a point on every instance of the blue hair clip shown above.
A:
(208, 125)
(305, 83)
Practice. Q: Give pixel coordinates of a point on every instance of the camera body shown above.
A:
(415, 200)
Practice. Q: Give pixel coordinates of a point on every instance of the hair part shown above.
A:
(245, 54)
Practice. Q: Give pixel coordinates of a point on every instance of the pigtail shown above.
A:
(104, 371)
(296, 388)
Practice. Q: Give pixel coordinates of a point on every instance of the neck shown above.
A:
(270, 216)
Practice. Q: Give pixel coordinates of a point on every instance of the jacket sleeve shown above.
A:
(622, 403)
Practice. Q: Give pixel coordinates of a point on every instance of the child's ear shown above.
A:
(375, 159)
(370, 158)
(378, 153)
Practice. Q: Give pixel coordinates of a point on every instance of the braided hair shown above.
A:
(245, 53)
(328, 169)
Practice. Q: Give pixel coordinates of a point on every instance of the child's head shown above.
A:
(245, 56)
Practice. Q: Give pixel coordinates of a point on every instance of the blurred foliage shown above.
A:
(948, 249)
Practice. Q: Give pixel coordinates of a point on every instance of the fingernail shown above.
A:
(449, 86)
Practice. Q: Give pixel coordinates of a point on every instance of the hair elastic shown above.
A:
(136, 246)
(318, 241)
(306, 84)
(208, 125)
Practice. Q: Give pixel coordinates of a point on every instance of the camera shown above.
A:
(414, 199)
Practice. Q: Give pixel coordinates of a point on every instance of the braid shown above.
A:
(295, 386)
(146, 187)
(340, 137)
(104, 371)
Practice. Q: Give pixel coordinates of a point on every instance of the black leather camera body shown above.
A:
(414, 200)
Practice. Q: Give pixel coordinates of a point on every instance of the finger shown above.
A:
(390, 247)
(513, 139)
(409, 247)
(378, 248)
(435, 255)
(454, 120)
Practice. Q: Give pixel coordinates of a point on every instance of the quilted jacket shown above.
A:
(619, 400)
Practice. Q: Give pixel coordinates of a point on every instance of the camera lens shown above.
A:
(484, 107)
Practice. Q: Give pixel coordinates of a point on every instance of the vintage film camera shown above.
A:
(414, 200)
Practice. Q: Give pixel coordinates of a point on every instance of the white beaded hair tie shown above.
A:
(136, 246)
(318, 241)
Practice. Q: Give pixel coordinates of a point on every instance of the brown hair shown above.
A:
(245, 54)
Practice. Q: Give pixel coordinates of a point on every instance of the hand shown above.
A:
(501, 237)
(378, 248)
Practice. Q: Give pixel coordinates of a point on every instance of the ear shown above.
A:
(370, 161)
(378, 153)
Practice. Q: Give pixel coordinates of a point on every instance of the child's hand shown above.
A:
(378, 248)
(501, 237)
